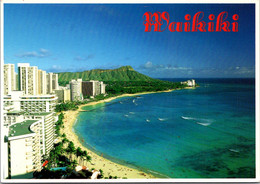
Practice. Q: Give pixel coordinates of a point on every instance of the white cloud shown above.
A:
(160, 70)
(88, 57)
(159, 67)
(40, 54)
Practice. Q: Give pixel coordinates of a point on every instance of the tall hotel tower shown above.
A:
(42, 86)
(10, 78)
(52, 82)
(28, 78)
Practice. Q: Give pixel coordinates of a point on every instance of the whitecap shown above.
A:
(147, 120)
(126, 115)
(162, 119)
(204, 124)
(188, 118)
(201, 120)
(234, 150)
(131, 112)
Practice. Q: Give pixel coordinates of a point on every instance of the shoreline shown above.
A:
(121, 96)
(109, 167)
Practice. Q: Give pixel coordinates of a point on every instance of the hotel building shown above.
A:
(42, 86)
(63, 94)
(28, 78)
(76, 89)
(93, 88)
(52, 82)
(24, 147)
(10, 78)
(36, 139)
(29, 118)
(47, 135)
(190, 83)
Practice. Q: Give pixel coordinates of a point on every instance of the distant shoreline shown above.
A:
(98, 161)
(123, 95)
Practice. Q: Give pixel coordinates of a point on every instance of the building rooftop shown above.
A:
(22, 128)
(40, 113)
(38, 97)
(14, 112)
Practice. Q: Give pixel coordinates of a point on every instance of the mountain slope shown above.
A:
(124, 73)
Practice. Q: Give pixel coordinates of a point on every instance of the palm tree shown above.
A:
(87, 157)
(73, 164)
(71, 149)
(65, 140)
(78, 152)
(82, 157)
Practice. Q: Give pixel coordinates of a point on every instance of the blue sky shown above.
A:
(78, 37)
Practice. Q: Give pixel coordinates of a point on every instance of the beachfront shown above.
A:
(98, 162)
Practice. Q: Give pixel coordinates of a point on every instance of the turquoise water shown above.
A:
(207, 132)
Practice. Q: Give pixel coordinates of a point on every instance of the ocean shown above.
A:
(207, 132)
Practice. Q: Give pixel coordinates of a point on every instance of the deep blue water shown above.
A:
(207, 132)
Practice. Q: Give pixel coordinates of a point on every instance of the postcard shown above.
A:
(149, 91)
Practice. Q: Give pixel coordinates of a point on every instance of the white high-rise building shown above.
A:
(28, 78)
(47, 135)
(42, 85)
(9, 78)
(63, 94)
(76, 89)
(31, 122)
(102, 88)
(52, 82)
(24, 147)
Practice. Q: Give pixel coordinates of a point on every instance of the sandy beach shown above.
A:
(98, 162)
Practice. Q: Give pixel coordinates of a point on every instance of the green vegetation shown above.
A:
(121, 80)
(121, 87)
(67, 106)
(125, 73)
(74, 105)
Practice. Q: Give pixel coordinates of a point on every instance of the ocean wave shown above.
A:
(204, 124)
(234, 150)
(183, 117)
(157, 173)
(162, 119)
(200, 120)
(75, 121)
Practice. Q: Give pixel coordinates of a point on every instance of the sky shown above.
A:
(78, 37)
